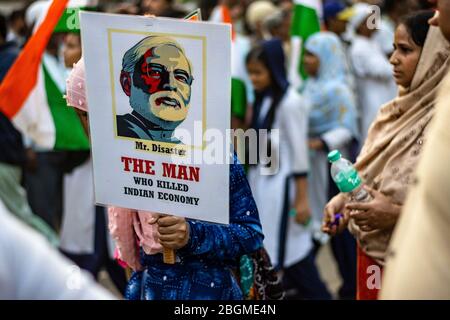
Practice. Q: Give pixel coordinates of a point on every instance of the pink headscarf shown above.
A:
(75, 87)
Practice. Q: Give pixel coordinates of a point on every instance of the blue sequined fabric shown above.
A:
(204, 266)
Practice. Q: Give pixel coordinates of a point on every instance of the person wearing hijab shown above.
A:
(419, 249)
(391, 152)
(332, 125)
(281, 191)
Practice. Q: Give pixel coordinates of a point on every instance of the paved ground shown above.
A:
(328, 269)
(107, 283)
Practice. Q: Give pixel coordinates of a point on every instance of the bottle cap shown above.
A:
(334, 155)
(292, 212)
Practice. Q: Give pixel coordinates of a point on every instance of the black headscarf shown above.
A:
(271, 54)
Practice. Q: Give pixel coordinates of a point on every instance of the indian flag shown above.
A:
(305, 22)
(32, 97)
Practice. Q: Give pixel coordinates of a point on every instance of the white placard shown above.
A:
(159, 97)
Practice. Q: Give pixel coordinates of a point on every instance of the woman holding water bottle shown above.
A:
(390, 153)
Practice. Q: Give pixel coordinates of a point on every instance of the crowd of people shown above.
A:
(376, 92)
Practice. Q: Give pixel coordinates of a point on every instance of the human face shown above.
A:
(19, 26)
(365, 29)
(311, 63)
(259, 75)
(337, 26)
(405, 57)
(165, 75)
(284, 29)
(443, 18)
(72, 49)
(286, 5)
(156, 7)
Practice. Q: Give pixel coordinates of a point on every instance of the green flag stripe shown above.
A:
(70, 134)
(305, 22)
(238, 98)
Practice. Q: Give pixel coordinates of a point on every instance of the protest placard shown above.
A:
(159, 97)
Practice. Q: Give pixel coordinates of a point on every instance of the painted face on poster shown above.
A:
(155, 88)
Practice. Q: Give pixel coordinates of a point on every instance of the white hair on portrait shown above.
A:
(132, 56)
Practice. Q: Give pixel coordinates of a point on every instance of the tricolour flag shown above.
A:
(31, 95)
(305, 22)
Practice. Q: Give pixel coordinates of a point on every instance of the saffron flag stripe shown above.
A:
(25, 69)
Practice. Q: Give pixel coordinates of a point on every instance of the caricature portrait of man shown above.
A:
(157, 77)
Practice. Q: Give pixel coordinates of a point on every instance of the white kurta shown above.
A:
(384, 36)
(31, 269)
(269, 190)
(374, 79)
(78, 227)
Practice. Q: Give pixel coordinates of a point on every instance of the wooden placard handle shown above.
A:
(168, 255)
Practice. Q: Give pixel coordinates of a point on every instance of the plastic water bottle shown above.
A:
(346, 177)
